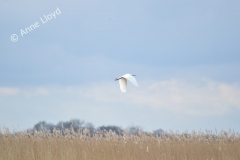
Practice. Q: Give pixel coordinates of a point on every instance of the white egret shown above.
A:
(123, 81)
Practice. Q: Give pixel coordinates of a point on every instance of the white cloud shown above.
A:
(5, 91)
(42, 91)
(203, 98)
(27, 92)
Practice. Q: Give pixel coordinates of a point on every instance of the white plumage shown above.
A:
(123, 81)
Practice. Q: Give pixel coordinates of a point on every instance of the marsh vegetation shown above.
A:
(63, 144)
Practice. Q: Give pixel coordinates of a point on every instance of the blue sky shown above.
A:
(185, 55)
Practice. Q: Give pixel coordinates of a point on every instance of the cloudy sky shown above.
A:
(186, 56)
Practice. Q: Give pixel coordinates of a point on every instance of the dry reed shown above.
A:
(71, 145)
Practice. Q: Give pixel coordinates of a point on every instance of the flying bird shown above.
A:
(123, 81)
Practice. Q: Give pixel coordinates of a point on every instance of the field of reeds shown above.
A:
(82, 144)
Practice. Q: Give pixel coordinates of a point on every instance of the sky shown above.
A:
(186, 56)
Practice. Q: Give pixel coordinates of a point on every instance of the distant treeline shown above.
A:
(79, 125)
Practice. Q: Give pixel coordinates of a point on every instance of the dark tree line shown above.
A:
(77, 125)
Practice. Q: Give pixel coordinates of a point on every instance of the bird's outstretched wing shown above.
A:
(123, 84)
(131, 79)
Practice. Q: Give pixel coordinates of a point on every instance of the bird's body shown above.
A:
(123, 81)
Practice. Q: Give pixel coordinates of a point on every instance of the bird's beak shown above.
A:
(116, 79)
